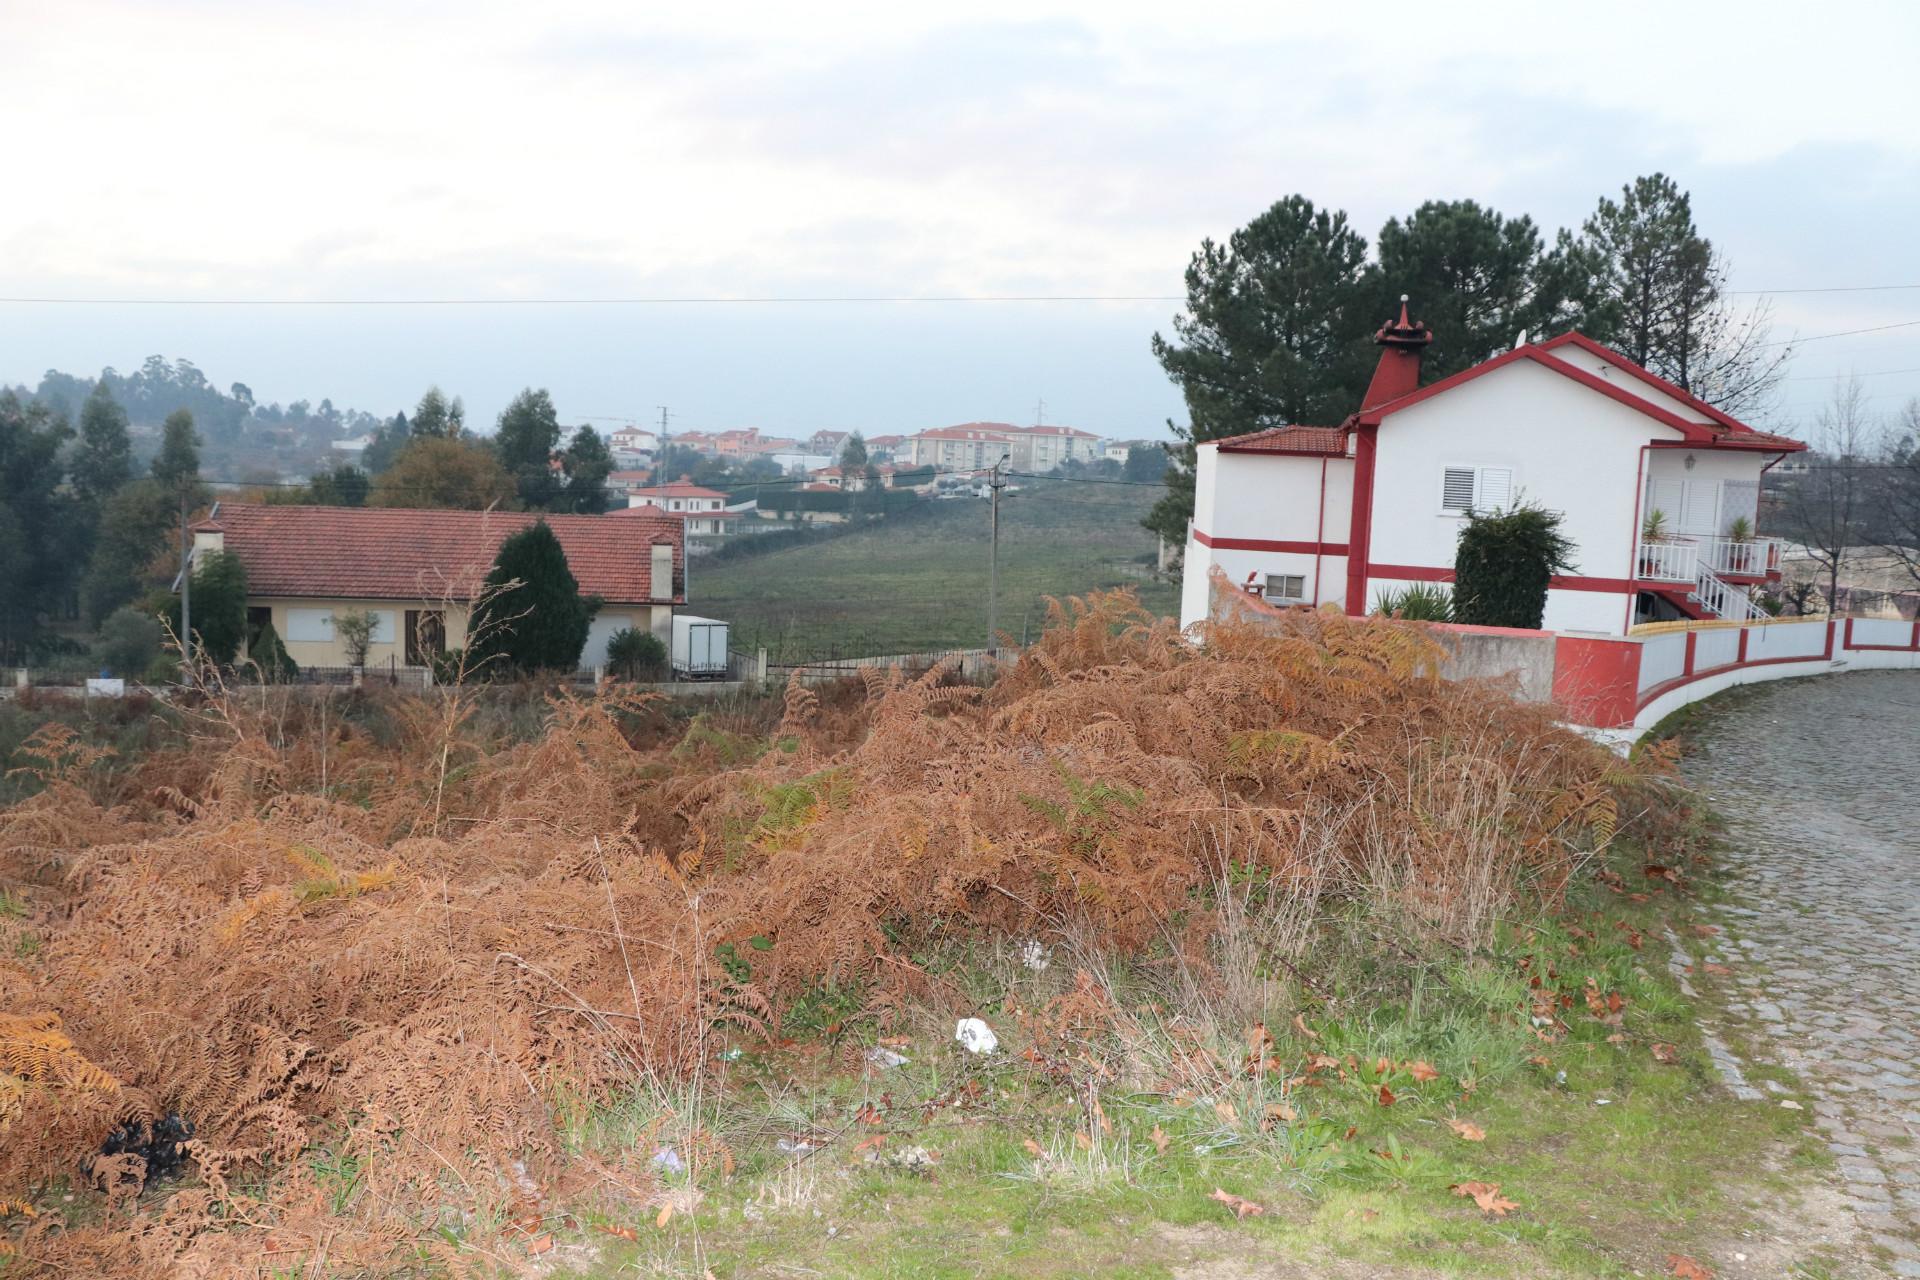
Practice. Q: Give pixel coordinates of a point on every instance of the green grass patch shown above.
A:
(920, 585)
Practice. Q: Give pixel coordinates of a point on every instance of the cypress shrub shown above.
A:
(1503, 565)
(531, 616)
(270, 655)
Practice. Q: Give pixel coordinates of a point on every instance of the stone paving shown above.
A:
(1819, 782)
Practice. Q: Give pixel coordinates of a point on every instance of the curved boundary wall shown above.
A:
(1618, 687)
(1628, 684)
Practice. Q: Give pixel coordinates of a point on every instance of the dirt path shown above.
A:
(1818, 781)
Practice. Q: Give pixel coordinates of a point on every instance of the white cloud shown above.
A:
(481, 148)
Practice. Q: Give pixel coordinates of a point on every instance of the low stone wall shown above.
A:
(1523, 660)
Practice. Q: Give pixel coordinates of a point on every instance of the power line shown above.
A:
(1844, 333)
(1832, 288)
(1824, 377)
(662, 300)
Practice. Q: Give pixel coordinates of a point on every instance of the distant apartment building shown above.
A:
(973, 446)
(702, 511)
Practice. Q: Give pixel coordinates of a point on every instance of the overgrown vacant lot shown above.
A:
(1301, 963)
(918, 583)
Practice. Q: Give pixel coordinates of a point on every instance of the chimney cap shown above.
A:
(1403, 332)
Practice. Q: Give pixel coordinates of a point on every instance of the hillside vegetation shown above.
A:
(354, 986)
(918, 583)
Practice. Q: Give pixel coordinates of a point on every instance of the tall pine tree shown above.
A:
(1274, 333)
(525, 438)
(104, 460)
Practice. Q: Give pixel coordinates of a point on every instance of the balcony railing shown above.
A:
(1667, 561)
(1679, 559)
(1748, 557)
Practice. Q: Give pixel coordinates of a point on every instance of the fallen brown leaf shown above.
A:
(666, 1216)
(625, 1233)
(1468, 1130)
(1386, 1096)
(1422, 1071)
(1300, 1025)
(1241, 1206)
(1665, 1053)
(1159, 1139)
(1487, 1196)
(1225, 1111)
(1033, 1148)
(1682, 1267)
(539, 1244)
(1706, 930)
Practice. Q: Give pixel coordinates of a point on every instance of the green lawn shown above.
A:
(919, 583)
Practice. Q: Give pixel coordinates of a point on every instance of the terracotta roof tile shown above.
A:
(1331, 441)
(397, 553)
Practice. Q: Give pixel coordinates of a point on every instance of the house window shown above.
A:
(1464, 489)
(1287, 588)
(426, 636)
(310, 625)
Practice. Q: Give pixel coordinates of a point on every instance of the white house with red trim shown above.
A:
(1340, 514)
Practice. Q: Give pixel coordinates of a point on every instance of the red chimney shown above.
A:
(1398, 372)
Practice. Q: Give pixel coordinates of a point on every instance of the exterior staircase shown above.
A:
(1686, 579)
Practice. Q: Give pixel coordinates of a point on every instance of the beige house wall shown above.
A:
(302, 614)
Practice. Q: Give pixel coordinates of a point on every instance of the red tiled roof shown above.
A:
(1720, 431)
(971, 431)
(1330, 441)
(397, 553)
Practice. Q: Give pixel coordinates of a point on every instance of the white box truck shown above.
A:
(699, 648)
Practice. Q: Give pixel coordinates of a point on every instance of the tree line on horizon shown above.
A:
(1280, 316)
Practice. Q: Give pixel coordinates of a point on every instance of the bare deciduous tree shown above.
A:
(1896, 505)
(1827, 506)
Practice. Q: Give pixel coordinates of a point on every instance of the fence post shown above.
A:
(600, 678)
(20, 680)
(760, 664)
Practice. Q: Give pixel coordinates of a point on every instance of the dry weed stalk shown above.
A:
(415, 979)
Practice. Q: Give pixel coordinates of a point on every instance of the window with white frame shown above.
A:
(1466, 488)
(1286, 588)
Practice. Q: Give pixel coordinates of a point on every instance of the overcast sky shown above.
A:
(335, 150)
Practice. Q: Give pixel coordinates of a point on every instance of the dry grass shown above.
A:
(411, 952)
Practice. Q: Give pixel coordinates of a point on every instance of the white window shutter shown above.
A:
(1665, 496)
(1456, 489)
(1496, 489)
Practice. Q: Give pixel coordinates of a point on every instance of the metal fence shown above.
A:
(969, 664)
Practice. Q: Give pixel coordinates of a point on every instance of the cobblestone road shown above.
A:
(1819, 781)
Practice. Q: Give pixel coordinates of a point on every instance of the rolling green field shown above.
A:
(919, 583)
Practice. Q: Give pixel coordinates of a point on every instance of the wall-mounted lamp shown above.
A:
(1690, 461)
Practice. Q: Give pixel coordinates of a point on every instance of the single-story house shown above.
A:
(416, 572)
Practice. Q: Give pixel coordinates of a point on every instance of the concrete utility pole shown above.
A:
(186, 585)
(994, 485)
